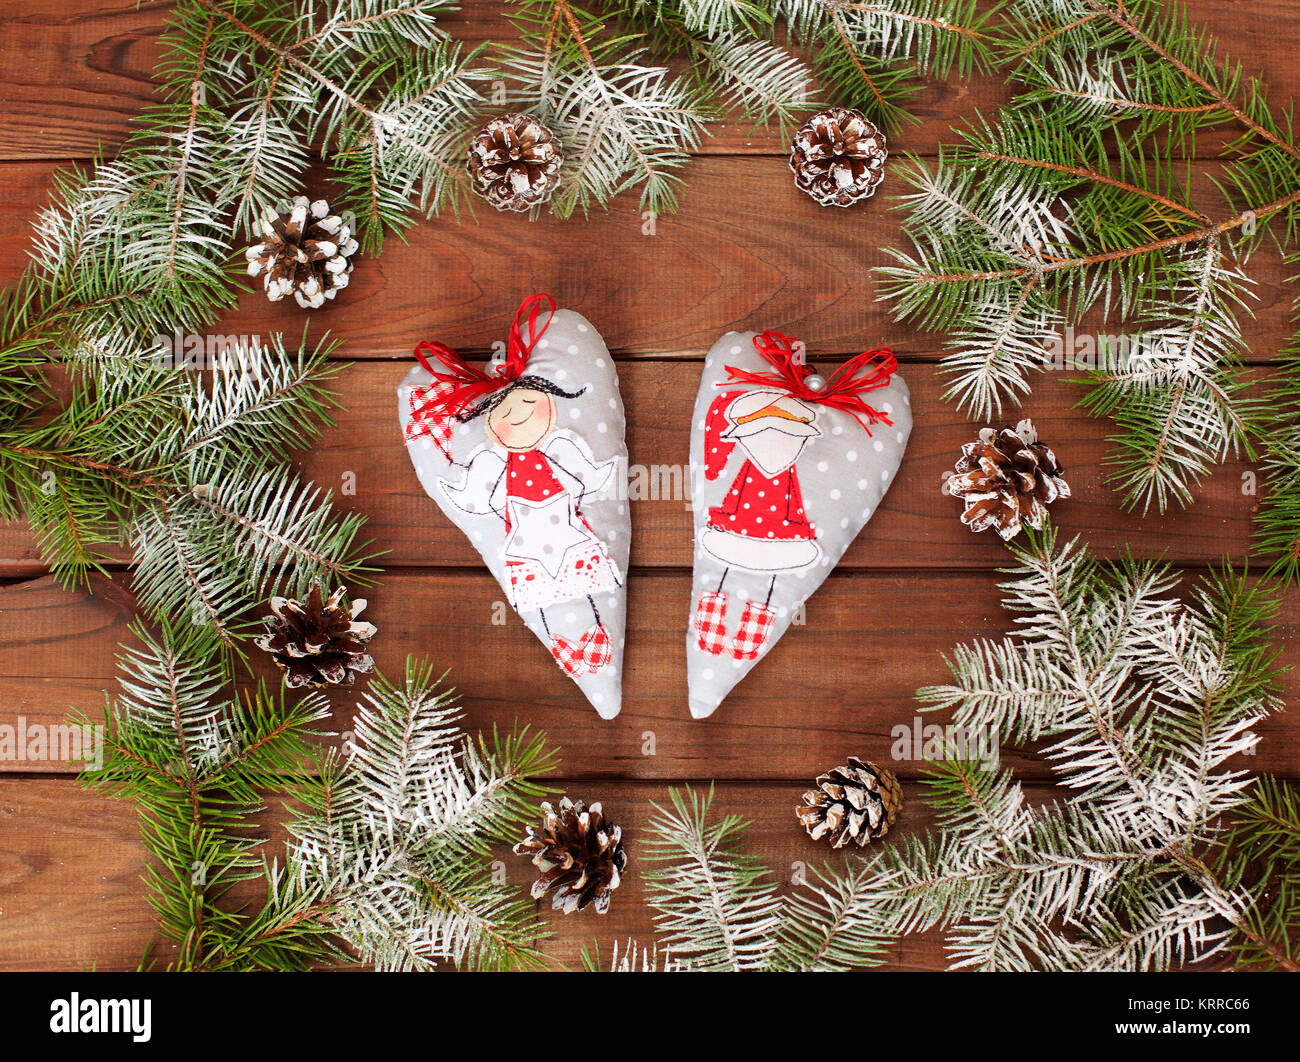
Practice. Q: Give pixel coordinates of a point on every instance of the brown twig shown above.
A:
(1246, 217)
(1122, 22)
(1099, 178)
(186, 142)
(843, 33)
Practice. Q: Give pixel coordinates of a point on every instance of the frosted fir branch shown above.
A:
(259, 397)
(1136, 678)
(1012, 240)
(1148, 45)
(197, 759)
(997, 348)
(716, 910)
(1179, 401)
(1277, 526)
(633, 123)
(1258, 863)
(285, 534)
(873, 56)
(624, 121)
(623, 124)
(713, 906)
(1137, 81)
(397, 835)
(632, 957)
(713, 18)
(735, 62)
(832, 924)
(758, 78)
(1145, 699)
(142, 248)
(370, 27)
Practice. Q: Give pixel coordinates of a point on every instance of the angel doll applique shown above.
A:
(535, 478)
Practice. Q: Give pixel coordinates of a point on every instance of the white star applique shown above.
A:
(543, 532)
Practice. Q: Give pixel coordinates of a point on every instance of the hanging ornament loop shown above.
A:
(843, 390)
(462, 384)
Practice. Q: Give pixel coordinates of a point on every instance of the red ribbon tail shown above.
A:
(517, 348)
(463, 383)
(868, 371)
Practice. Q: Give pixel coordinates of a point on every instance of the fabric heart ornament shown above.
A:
(528, 459)
(786, 468)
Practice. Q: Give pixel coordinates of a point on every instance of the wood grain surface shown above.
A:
(745, 251)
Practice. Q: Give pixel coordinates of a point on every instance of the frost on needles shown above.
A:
(1137, 700)
(388, 857)
(604, 75)
(1079, 196)
(400, 827)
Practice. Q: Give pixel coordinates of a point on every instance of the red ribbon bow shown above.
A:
(844, 388)
(463, 384)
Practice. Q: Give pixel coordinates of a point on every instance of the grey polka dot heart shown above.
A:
(534, 473)
(782, 481)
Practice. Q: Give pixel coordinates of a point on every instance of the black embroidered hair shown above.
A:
(533, 383)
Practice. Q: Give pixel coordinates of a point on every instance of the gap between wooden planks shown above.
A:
(71, 895)
(837, 685)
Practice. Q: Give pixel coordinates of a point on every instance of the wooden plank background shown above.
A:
(745, 251)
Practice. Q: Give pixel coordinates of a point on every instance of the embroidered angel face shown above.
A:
(519, 417)
(522, 420)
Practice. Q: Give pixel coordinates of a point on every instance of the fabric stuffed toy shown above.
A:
(529, 460)
(787, 468)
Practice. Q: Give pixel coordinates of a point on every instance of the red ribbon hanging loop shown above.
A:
(843, 390)
(465, 384)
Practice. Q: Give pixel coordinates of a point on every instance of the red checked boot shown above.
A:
(711, 622)
(567, 655)
(589, 656)
(596, 649)
(756, 624)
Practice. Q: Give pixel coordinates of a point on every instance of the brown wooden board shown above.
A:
(836, 685)
(71, 895)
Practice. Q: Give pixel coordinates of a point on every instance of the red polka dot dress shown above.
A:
(762, 507)
(761, 524)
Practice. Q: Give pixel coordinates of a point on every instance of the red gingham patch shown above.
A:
(756, 623)
(711, 622)
(424, 421)
(589, 656)
(597, 648)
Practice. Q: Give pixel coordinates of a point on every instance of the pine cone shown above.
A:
(513, 162)
(318, 643)
(857, 802)
(306, 251)
(838, 157)
(1007, 478)
(579, 854)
